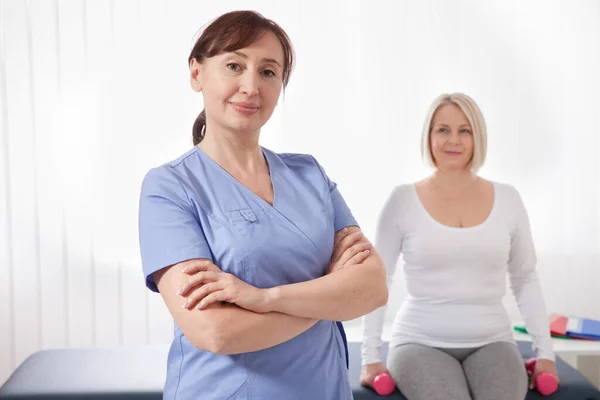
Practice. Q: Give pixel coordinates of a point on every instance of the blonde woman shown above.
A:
(460, 235)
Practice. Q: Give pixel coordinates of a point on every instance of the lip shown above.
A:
(245, 108)
(453, 153)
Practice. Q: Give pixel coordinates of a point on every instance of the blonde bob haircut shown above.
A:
(475, 118)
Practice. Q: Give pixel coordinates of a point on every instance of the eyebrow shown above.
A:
(269, 60)
(467, 125)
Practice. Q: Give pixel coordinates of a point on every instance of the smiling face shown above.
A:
(451, 138)
(241, 88)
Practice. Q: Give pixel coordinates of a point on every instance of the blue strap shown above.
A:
(343, 333)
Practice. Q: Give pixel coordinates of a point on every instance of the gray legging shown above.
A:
(495, 371)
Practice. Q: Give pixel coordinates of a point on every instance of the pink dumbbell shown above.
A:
(383, 384)
(545, 382)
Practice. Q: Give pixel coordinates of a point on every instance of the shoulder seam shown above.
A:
(201, 206)
(288, 155)
(181, 159)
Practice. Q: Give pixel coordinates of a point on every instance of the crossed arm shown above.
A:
(235, 317)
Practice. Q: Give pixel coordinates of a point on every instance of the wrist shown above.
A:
(367, 362)
(550, 356)
(271, 298)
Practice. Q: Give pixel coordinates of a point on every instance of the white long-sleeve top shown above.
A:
(456, 277)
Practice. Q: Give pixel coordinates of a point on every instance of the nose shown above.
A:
(454, 138)
(249, 83)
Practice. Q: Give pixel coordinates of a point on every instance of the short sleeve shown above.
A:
(342, 216)
(169, 231)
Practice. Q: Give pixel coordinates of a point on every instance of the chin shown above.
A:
(248, 123)
(454, 166)
(246, 128)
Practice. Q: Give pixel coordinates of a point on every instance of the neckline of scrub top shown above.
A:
(238, 183)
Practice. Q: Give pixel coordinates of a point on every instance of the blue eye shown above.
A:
(465, 131)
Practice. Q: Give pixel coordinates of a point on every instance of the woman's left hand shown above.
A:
(348, 249)
(207, 284)
(542, 365)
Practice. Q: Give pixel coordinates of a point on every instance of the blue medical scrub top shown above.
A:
(192, 208)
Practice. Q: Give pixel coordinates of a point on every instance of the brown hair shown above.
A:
(233, 31)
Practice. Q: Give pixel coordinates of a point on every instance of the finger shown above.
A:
(214, 297)
(346, 243)
(199, 268)
(194, 266)
(195, 261)
(365, 382)
(199, 293)
(348, 254)
(359, 238)
(339, 235)
(361, 252)
(352, 251)
(338, 248)
(352, 238)
(532, 382)
(357, 258)
(197, 279)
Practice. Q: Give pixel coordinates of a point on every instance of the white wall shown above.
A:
(94, 93)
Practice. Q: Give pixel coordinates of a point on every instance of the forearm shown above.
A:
(226, 328)
(388, 241)
(525, 283)
(340, 296)
(372, 325)
(234, 330)
(529, 298)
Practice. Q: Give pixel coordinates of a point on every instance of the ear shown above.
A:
(196, 75)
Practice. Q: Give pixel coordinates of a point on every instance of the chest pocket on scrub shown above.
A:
(243, 222)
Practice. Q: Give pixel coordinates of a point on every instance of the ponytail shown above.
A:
(199, 128)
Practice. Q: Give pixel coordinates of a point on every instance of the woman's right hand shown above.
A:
(349, 248)
(370, 371)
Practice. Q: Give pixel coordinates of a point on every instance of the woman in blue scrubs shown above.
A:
(255, 253)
